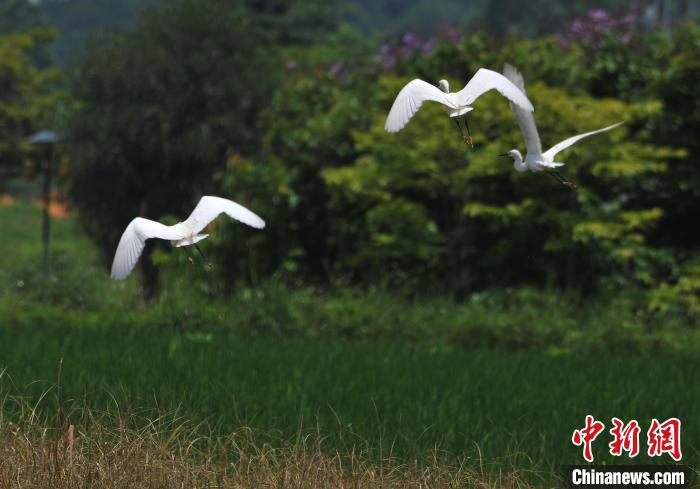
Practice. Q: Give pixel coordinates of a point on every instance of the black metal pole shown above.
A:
(48, 153)
(46, 224)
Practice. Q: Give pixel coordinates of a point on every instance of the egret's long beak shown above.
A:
(504, 154)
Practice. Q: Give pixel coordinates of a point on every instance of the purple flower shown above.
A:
(410, 45)
(410, 40)
(598, 25)
(599, 15)
(336, 69)
(576, 27)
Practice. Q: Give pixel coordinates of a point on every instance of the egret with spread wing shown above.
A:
(536, 160)
(458, 104)
(181, 234)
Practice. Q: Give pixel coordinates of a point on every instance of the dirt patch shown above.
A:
(58, 208)
(6, 200)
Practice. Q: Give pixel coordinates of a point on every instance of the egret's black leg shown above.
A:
(202, 255)
(189, 256)
(551, 174)
(468, 139)
(563, 180)
(458, 126)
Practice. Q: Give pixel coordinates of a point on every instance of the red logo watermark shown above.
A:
(625, 438)
(665, 438)
(662, 438)
(587, 435)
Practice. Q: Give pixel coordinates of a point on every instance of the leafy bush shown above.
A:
(26, 100)
(157, 109)
(347, 203)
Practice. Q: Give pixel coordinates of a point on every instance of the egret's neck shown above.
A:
(518, 162)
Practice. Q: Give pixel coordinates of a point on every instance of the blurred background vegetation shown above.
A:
(280, 106)
(420, 250)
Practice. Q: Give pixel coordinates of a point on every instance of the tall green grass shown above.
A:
(394, 397)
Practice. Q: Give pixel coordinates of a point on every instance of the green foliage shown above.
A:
(304, 149)
(26, 100)
(538, 17)
(679, 124)
(418, 211)
(19, 16)
(79, 293)
(167, 103)
(423, 17)
(682, 296)
(292, 23)
(278, 22)
(497, 17)
(419, 208)
(77, 19)
(347, 203)
(244, 254)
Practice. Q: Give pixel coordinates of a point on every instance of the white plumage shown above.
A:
(184, 233)
(412, 96)
(536, 160)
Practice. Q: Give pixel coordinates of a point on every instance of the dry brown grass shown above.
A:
(108, 451)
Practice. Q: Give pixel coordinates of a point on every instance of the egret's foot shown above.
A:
(571, 185)
(189, 259)
(469, 141)
(209, 265)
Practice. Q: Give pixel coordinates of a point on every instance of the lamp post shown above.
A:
(47, 138)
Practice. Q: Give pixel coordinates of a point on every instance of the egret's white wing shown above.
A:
(551, 152)
(134, 239)
(210, 207)
(526, 120)
(550, 164)
(485, 80)
(410, 99)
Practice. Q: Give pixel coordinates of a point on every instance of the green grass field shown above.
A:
(512, 404)
(399, 397)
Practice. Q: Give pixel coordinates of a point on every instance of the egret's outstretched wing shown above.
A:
(485, 80)
(410, 99)
(526, 120)
(210, 207)
(550, 164)
(551, 152)
(134, 239)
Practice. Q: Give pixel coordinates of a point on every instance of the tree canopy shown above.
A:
(211, 97)
(26, 95)
(166, 102)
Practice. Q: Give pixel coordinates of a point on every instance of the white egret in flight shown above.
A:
(184, 233)
(412, 96)
(536, 160)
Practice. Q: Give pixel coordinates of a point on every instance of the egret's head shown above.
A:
(516, 156)
(513, 153)
(444, 86)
